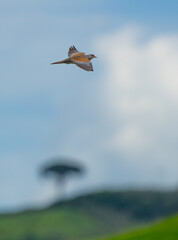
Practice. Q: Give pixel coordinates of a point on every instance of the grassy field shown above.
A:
(65, 223)
(166, 230)
(91, 216)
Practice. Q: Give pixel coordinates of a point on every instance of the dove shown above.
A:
(78, 58)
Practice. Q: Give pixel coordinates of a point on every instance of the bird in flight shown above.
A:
(78, 58)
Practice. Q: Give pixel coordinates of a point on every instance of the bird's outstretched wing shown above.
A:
(72, 50)
(87, 66)
(81, 60)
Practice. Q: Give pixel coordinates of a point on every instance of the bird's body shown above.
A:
(79, 58)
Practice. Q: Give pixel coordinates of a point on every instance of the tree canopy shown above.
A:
(62, 169)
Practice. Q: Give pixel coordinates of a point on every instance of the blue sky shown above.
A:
(120, 121)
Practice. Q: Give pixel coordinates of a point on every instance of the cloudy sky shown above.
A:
(119, 121)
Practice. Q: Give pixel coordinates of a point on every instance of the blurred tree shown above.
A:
(62, 169)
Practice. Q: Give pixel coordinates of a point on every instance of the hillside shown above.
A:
(141, 205)
(166, 230)
(66, 223)
(89, 216)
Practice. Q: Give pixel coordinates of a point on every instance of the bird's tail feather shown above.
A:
(67, 60)
(58, 62)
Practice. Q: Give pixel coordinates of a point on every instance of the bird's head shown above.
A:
(91, 56)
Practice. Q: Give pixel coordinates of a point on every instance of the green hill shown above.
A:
(89, 216)
(166, 230)
(64, 223)
(140, 205)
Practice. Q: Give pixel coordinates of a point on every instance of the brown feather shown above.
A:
(67, 60)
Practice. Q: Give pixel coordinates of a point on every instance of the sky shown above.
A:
(119, 121)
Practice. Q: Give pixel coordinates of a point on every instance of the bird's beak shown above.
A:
(95, 56)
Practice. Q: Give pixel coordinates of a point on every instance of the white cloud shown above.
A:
(140, 86)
